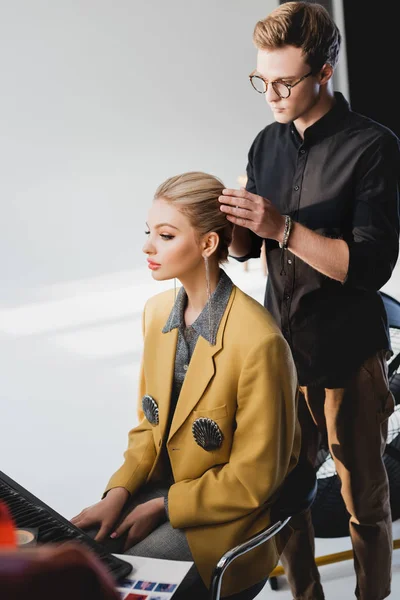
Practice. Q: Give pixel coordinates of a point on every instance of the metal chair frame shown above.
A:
(228, 558)
(281, 512)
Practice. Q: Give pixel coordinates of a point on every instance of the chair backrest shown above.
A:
(297, 492)
(392, 307)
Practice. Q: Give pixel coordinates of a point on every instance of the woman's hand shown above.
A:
(103, 513)
(141, 521)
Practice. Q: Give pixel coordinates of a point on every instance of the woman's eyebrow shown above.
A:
(163, 225)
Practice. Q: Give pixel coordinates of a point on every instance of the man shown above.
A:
(322, 194)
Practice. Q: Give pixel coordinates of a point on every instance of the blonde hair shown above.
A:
(196, 194)
(303, 25)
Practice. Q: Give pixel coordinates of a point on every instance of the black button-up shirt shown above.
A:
(341, 181)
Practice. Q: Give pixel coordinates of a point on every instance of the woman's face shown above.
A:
(173, 248)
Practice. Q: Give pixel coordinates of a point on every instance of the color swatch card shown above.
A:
(152, 578)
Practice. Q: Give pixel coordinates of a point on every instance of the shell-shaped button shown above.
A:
(150, 409)
(207, 434)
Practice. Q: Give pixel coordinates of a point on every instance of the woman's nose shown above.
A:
(147, 247)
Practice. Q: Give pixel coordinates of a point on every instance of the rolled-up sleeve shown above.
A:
(374, 243)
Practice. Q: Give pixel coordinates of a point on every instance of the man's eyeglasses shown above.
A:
(280, 88)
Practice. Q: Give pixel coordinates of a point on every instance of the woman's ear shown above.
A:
(210, 243)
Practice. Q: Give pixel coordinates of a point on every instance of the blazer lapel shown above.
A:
(201, 370)
(160, 362)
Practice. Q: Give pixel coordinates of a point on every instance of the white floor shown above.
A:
(69, 356)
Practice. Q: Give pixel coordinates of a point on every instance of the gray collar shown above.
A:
(218, 301)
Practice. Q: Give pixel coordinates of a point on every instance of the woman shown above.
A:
(217, 406)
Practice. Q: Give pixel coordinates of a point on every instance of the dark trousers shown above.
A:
(354, 420)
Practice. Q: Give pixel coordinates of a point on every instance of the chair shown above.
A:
(296, 495)
(392, 307)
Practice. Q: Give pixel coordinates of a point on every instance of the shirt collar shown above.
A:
(218, 302)
(329, 123)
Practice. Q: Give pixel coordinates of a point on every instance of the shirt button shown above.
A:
(185, 367)
(287, 297)
(289, 261)
(296, 187)
(302, 151)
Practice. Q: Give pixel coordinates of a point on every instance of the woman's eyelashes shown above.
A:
(164, 236)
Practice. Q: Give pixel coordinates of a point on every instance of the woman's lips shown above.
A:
(153, 265)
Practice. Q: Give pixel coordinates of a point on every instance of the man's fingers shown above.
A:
(239, 221)
(235, 201)
(242, 193)
(236, 211)
(240, 197)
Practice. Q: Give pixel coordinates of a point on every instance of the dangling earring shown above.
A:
(171, 314)
(208, 283)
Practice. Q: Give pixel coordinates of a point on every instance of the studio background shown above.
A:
(101, 101)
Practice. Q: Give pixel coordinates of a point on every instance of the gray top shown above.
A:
(206, 325)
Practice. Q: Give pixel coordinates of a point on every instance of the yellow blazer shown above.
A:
(247, 384)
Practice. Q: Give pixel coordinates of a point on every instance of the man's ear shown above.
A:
(325, 73)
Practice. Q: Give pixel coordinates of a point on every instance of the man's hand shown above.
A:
(253, 212)
(141, 521)
(328, 256)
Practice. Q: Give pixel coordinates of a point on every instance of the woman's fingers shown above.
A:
(77, 517)
(86, 518)
(84, 522)
(100, 515)
(133, 537)
(104, 530)
(123, 526)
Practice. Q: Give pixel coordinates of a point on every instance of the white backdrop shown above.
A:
(100, 101)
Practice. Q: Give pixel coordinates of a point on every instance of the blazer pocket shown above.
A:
(219, 412)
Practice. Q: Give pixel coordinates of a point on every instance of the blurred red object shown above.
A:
(46, 572)
(8, 536)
